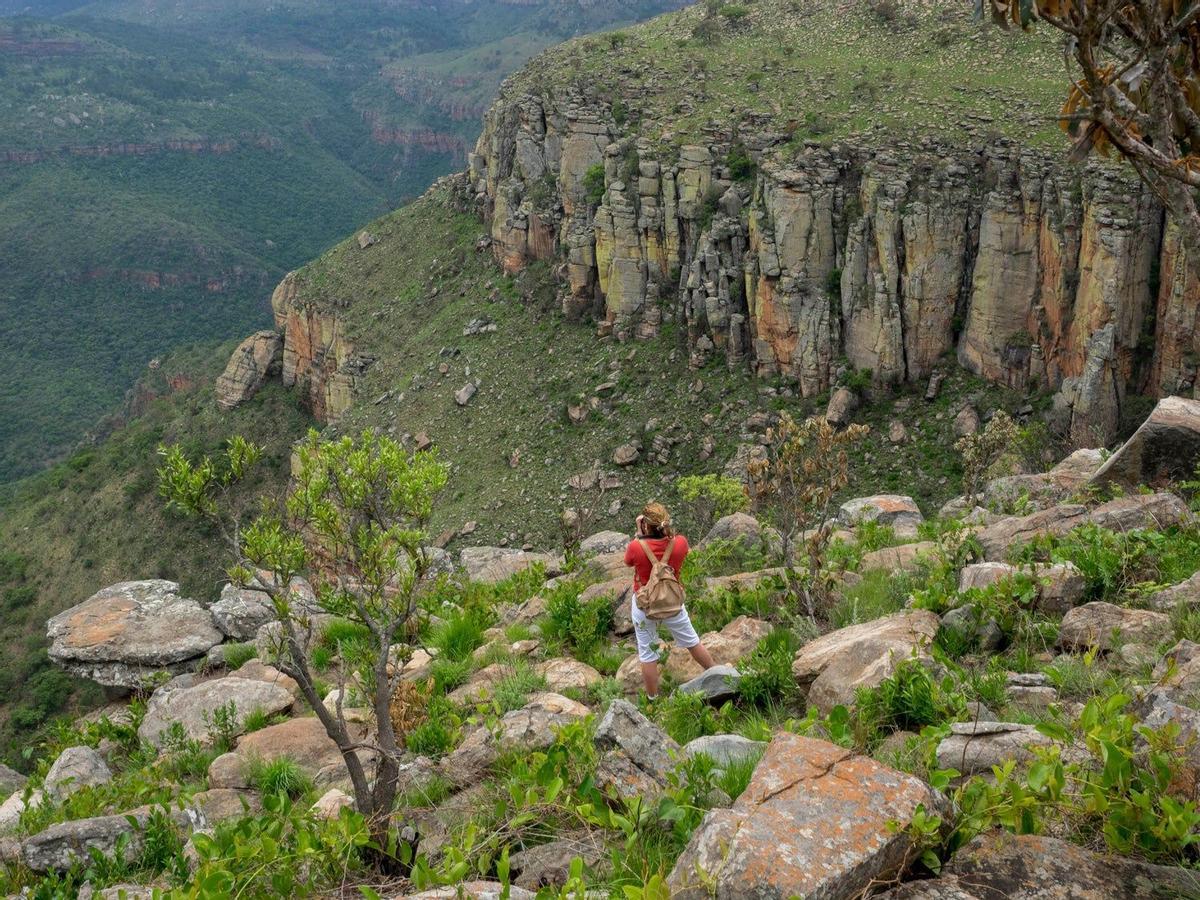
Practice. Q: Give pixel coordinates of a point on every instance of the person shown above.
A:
(654, 527)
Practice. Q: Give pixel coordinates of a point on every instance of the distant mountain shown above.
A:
(163, 164)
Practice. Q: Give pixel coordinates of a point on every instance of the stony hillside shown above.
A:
(994, 705)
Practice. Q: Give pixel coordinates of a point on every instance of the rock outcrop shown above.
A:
(126, 632)
(1165, 448)
(256, 359)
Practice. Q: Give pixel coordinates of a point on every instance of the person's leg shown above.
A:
(686, 637)
(650, 677)
(645, 633)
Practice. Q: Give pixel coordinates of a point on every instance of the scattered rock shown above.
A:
(256, 670)
(471, 890)
(966, 422)
(63, 844)
(1104, 625)
(494, 564)
(637, 755)
(997, 538)
(816, 820)
(229, 770)
(568, 674)
(366, 239)
(893, 510)
(841, 407)
(833, 667)
(465, 393)
(1186, 593)
(729, 645)
(125, 633)
(717, 683)
(897, 433)
(331, 803)
(1153, 511)
(12, 808)
(10, 780)
(626, 455)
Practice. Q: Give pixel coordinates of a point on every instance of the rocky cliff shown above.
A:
(799, 258)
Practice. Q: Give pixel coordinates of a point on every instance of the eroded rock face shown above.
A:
(256, 359)
(126, 632)
(813, 822)
(833, 667)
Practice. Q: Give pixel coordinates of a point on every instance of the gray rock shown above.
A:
(604, 542)
(12, 808)
(10, 780)
(636, 755)
(1186, 593)
(965, 619)
(125, 633)
(1105, 626)
(717, 683)
(195, 708)
(75, 768)
(1165, 448)
(842, 405)
(725, 749)
(471, 890)
(549, 865)
(241, 612)
(974, 747)
(61, 845)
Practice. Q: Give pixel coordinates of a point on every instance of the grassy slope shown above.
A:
(536, 363)
(96, 519)
(824, 70)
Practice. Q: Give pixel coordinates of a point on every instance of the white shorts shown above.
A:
(646, 631)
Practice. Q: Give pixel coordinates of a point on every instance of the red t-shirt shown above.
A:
(636, 557)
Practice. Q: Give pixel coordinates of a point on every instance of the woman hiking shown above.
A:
(656, 555)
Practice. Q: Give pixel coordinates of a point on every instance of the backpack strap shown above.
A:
(650, 557)
(670, 548)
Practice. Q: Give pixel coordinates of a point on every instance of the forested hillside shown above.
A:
(161, 168)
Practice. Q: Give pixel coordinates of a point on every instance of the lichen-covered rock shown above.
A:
(997, 538)
(893, 510)
(256, 359)
(1105, 625)
(833, 667)
(604, 542)
(636, 755)
(241, 612)
(127, 632)
(1154, 511)
(60, 846)
(1186, 593)
(841, 407)
(471, 890)
(816, 821)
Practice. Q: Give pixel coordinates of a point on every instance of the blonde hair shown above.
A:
(658, 520)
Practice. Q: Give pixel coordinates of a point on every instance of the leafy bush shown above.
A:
(581, 626)
(710, 497)
(593, 184)
(908, 700)
(741, 166)
(438, 734)
(686, 717)
(767, 671)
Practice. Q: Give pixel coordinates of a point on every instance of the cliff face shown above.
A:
(1031, 272)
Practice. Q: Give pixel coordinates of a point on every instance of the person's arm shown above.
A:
(630, 558)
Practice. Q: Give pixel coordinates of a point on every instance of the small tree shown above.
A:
(354, 524)
(1138, 67)
(710, 497)
(983, 449)
(806, 465)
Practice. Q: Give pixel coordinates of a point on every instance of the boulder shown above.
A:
(218, 804)
(466, 393)
(816, 821)
(494, 564)
(241, 612)
(531, 728)
(1044, 489)
(842, 405)
(729, 645)
(1061, 588)
(305, 742)
(1178, 672)
(618, 589)
(999, 864)
(636, 755)
(10, 780)
(997, 538)
(833, 667)
(480, 685)
(12, 809)
(229, 770)
(526, 613)
(1105, 626)
(725, 749)
(974, 747)
(966, 422)
(257, 670)
(256, 359)
(715, 684)
(330, 804)
(985, 574)
(1152, 511)
(58, 847)
(568, 674)
(902, 558)
(604, 542)
(896, 511)
(965, 619)
(626, 455)
(1165, 448)
(196, 708)
(125, 633)
(549, 865)
(75, 768)
(1186, 593)
(739, 526)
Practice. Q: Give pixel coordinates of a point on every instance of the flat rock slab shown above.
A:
(833, 667)
(196, 708)
(996, 539)
(816, 820)
(126, 632)
(718, 683)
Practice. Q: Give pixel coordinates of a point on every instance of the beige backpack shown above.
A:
(661, 597)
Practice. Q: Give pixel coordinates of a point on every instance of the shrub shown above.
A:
(881, 592)
(581, 626)
(983, 449)
(438, 734)
(513, 690)
(593, 184)
(281, 775)
(711, 497)
(459, 635)
(767, 671)
(686, 717)
(908, 700)
(741, 165)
